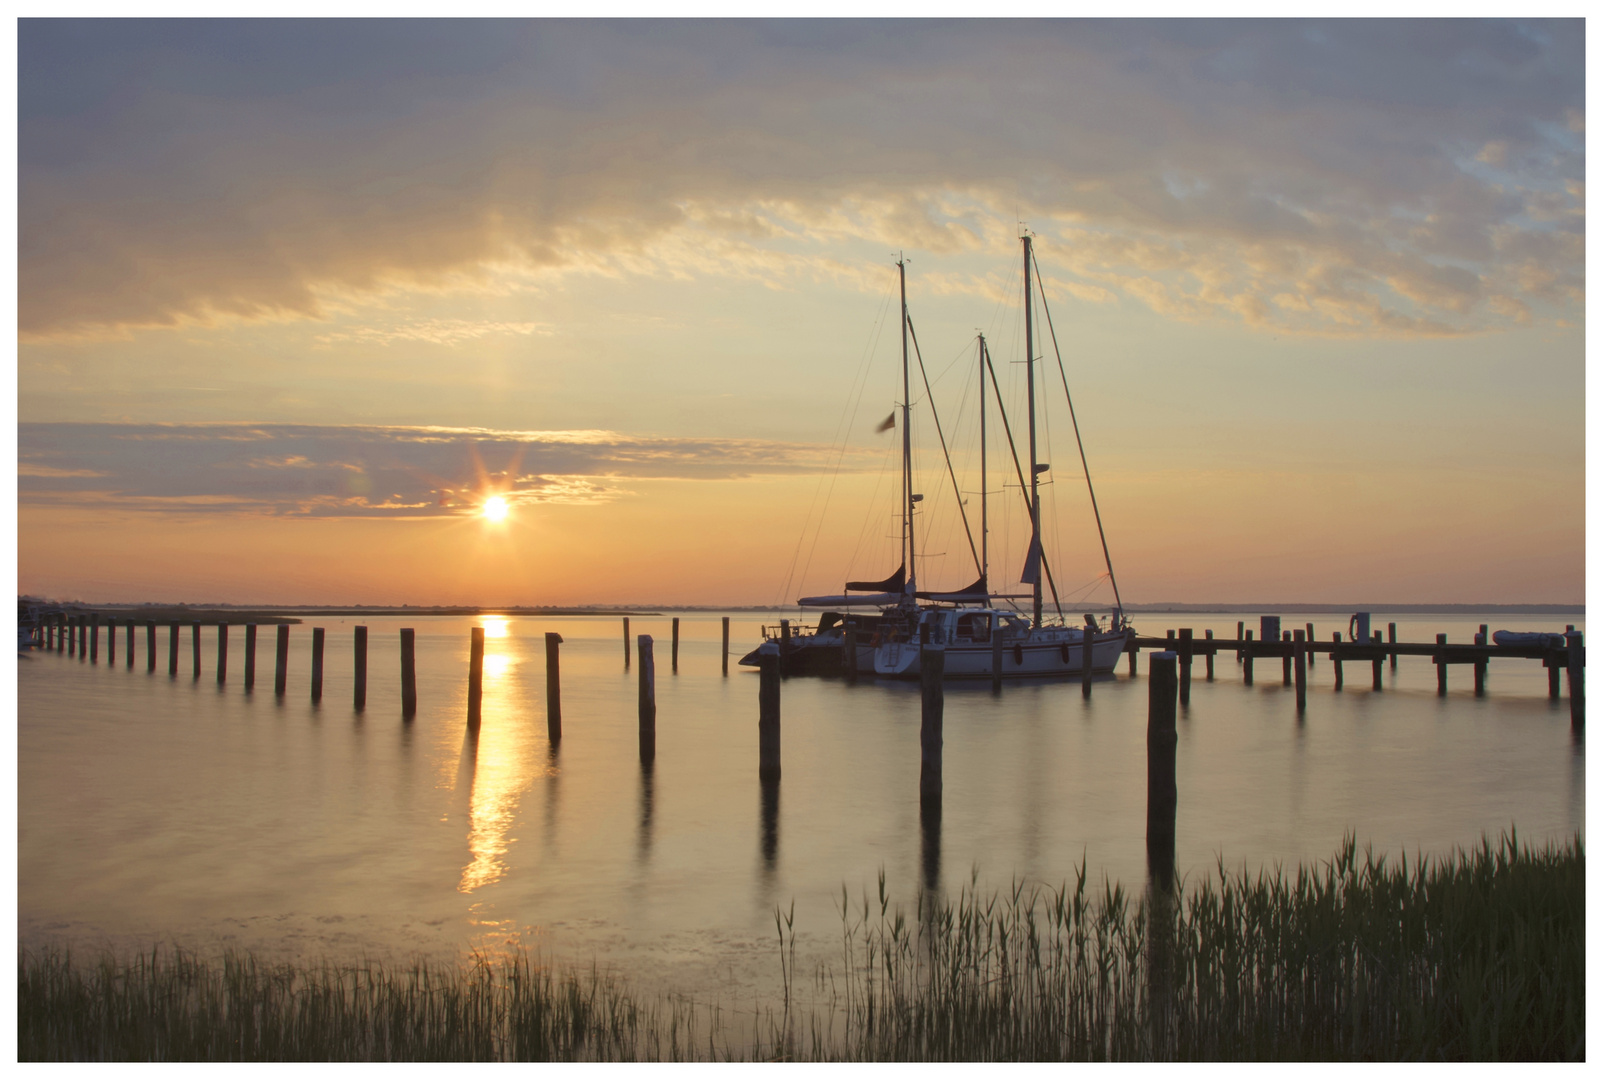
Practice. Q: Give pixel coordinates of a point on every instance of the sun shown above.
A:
(495, 508)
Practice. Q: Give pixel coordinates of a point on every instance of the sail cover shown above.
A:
(896, 583)
(975, 593)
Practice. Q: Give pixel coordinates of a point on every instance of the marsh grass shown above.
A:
(1475, 957)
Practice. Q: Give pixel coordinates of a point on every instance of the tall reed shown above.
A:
(1479, 956)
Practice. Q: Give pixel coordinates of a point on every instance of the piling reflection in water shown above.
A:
(929, 832)
(770, 822)
(643, 835)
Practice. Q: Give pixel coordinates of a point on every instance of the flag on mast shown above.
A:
(887, 423)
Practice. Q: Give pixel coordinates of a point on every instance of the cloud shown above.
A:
(312, 471)
(1395, 176)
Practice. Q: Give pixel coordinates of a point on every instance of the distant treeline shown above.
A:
(1477, 957)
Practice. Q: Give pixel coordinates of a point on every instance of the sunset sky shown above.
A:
(296, 298)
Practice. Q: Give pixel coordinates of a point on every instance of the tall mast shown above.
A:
(985, 551)
(907, 446)
(1035, 474)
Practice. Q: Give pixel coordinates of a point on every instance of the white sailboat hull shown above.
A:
(1044, 652)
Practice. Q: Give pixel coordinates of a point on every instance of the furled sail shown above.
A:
(977, 592)
(896, 583)
(1032, 564)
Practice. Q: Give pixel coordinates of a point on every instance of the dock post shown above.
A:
(553, 688)
(996, 654)
(626, 643)
(1240, 637)
(1162, 796)
(1551, 662)
(1391, 638)
(1131, 649)
(111, 642)
(1208, 660)
(250, 656)
(194, 646)
(1577, 672)
(1299, 646)
(150, 645)
(130, 628)
(848, 647)
(1087, 645)
(768, 717)
(1335, 656)
(318, 637)
(85, 631)
(1441, 666)
(674, 659)
(475, 679)
(784, 643)
(726, 646)
(1244, 654)
(222, 653)
(648, 702)
(94, 639)
(281, 666)
(408, 673)
(1481, 638)
(359, 694)
(72, 635)
(172, 650)
(932, 671)
(1285, 659)
(1185, 667)
(1308, 640)
(1379, 662)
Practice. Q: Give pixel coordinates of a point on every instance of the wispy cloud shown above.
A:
(1401, 177)
(302, 470)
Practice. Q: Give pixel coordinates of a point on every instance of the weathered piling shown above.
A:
(1577, 672)
(626, 643)
(359, 668)
(1441, 666)
(1285, 661)
(172, 650)
(784, 642)
(475, 679)
(72, 635)
(1087, 641)
(1208, 656)
(222, 653)
(1240, 636)
(1162, 796)
(194, 646)
(848, 649)
(1378, 664)
(318, 638)
(1308, 639)
(1391, 638)
(674, 658)
(932, 672)
(111, 642)
(553, 688)
(1480, 665)
(129, 626)
(84, 630)
(1335, 656)
(94, 639)
(996, 653)
(250, 657)
(1299, 647)
(648, 702)
(726, 645)
(408, 673)
(1185, 666)
(768, 717)
(281, 667)
(1553, 665)
(1245, 656)
(1131, 649)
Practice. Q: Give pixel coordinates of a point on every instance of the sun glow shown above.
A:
(495, 508)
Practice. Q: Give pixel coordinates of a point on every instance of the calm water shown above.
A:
(167, 809)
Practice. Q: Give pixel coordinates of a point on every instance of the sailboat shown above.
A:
(979, 639)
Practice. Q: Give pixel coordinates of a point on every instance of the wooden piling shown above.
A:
(932, 672)
(281, 667)
(408, 673)
(1131, 650)
(1285, 661)
(1244, 654)
(1391, 638)
(94, 639)
(784, 643)
(475, 679)
(1441, 666)
(1577, 673)
(1240, 636)
(1087, 640)
(1308, 639)
(83, 638)
(250, 657)
(648, 702)
(194, 646)
(996, 654)
(1208, 658)
(129, 626)
(674, 659)
(72, 635)
(1299, 647)
(1552, 663)
(1185, 667)
(222, 653)
(1481, 638)
(1378, 663)
(359, 691)
(318, 638)
(627, 644)
(1162, 796)
(768, 717)
(111, 642)
(848, 649)
(1335, 657)
(726, 646)
(553, 688)
(172, 650)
